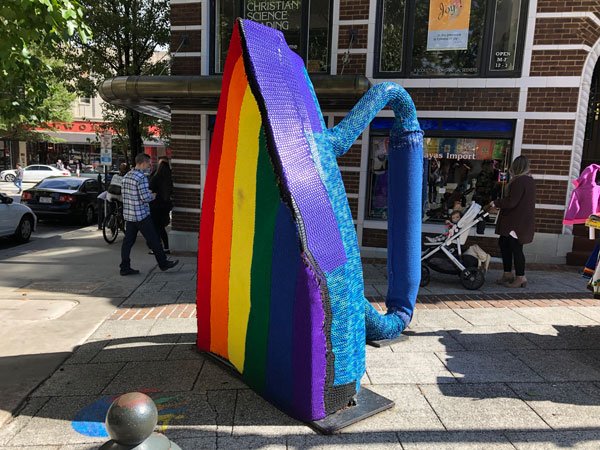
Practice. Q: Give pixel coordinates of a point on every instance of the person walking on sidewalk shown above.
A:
(136, 212)
(18, 181)
(516, 222)
(161, 183)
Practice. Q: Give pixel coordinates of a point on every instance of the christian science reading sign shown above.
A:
(275, 14)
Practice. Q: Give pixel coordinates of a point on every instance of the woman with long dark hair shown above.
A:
(516, 222)
(161, 183)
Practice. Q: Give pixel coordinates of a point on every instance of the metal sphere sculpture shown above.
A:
(131, 418)
(130, 422)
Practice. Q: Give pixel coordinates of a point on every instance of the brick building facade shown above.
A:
(541, 108)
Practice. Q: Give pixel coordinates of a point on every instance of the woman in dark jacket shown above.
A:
(516, 222)
(161, 183)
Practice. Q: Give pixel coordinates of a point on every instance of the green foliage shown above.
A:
(24, 106)
(126, 34)
(31, 92)
(28, 26)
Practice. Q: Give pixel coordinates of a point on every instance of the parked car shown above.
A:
(72, 198)
(99, 171)
(16, 220)
(34, 173)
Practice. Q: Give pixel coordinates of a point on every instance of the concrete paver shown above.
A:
(450, 440)
(79, 379)
(561, 365)
(441, 320)
(590, 312)
(360, 440)
(579, 440)
(563, 405)
(481, 407)
(429, 340)
(561, 337)
(215, 376)
(255, 416)
(157, 376)
(556, 316)
(487, 366)
(407, 368)
(495, 337)
(411, 413)
(495, 316)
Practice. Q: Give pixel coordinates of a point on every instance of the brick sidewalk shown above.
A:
(188, 310)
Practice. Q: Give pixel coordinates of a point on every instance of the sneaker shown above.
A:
(166, 250)
(169, 264)
(130, 271)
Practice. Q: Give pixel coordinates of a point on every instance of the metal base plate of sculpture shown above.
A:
(280, 290)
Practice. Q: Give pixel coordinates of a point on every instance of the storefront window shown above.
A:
(392, 36)
(304, 23)
(506, 32)
(461, 170)
(445, 38)
(225, 15)
(318, 37)
(443, 48)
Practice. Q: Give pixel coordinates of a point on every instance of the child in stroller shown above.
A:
(447, 256)
(450, 224)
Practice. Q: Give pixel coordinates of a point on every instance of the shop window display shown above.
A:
(459, 171)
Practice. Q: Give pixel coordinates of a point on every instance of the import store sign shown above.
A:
(448, 25)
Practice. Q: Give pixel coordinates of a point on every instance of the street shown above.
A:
(56, 290)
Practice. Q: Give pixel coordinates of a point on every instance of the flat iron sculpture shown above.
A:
(280, 287)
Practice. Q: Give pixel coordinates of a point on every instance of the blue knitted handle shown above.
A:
(405, 177)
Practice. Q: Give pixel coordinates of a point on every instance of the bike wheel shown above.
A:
(110, 228)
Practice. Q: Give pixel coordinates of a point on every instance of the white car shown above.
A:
(16, 220)
(34, 173)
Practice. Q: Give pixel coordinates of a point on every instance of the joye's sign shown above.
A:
(448, 24)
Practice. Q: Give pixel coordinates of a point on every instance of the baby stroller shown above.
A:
(447, 256)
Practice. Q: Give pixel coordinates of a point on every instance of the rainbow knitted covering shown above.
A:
(280, 287)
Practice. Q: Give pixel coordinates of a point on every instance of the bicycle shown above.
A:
(113, 222)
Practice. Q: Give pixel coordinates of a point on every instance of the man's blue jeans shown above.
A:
(18, 183)
(146, 227)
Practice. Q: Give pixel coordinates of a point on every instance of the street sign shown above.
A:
(106, 148)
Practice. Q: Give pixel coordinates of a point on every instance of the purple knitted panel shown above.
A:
(309, 348)
(310, 112)
(289, 122)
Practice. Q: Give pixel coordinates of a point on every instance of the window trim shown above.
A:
(303, 29)
(486, 42)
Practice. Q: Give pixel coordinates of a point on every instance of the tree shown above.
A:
(31, 91)
(28, 108)
(126, 34)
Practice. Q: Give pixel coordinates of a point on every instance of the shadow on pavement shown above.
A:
(564, 354)
(201, 405)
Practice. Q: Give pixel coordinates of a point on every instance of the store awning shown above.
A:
(63, 137)
(154, 95)
(74, 138)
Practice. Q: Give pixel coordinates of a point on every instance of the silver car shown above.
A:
(16, 220)
(34, 173)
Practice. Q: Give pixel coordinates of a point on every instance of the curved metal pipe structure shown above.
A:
(153, 95)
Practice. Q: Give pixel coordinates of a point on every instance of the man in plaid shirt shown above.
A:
(136, 212)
